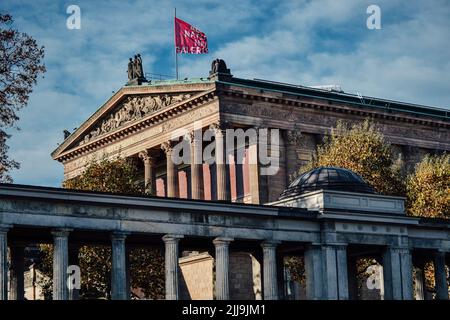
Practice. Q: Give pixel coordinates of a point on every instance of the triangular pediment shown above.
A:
(121, 110)
(132, 108)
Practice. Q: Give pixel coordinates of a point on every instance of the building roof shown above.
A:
(327, 178)
(379, 104)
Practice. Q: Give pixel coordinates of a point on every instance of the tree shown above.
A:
(428, 195)
(363, 149)
(20, 65)
(116, 176)
(428, 188)
(146, 264)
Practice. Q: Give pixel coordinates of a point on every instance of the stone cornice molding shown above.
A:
(167, 147)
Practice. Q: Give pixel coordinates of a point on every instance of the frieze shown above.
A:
(133, 109)
(301, 116)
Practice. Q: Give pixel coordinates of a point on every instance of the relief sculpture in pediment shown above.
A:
(132, 109)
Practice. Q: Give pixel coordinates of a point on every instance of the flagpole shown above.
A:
(175, 40)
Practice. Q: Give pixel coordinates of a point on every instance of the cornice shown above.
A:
(329, 105)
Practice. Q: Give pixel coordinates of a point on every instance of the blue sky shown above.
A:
(298, 41)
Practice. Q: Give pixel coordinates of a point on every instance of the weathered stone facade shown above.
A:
(329, 229)
(142, 118)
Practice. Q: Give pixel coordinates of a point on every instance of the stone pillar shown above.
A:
(4, 262)
(334, 261)
(397, 274)
(270, 287)
(440, 275)
(149, 171)
(314, 273)
(60, 263)
(171, 265)
(16, 285)
(172, 171)
(222, 175)
(119, 290)
(195, 139)
(74, 293)
(222, 268)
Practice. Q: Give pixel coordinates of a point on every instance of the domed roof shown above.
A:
(327, 178)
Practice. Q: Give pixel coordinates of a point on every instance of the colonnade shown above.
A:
(120, 289)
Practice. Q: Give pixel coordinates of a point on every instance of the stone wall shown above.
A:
(244, 277)
(300, 148)
(197, 276)
(276, 183)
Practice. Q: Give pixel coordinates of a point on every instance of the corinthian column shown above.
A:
(195, 138)
(172, 171)
(270, 287)
(223, 192)
(149, 171)
(171, 265)
(3, 262)
(60, 263)
(222, 266)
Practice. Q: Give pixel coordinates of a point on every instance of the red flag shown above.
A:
(189, 39)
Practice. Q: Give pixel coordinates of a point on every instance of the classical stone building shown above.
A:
(225, 229)
(144, 122)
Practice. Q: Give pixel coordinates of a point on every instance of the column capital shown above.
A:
(337, 246)
(440, 252)
(222, 241)
(172, 237)
(220, 126)
(167, 147)
(270, 244)
(61, 232)
(399, 249)
(294, 136)
(194, 136)
(148, 156)
(5, 228)
(119, 235)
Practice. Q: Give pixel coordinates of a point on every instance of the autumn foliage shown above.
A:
(363, 149)
(146, 263)
(428, 188)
